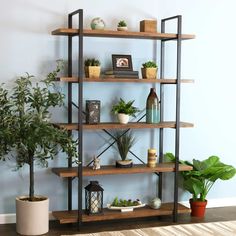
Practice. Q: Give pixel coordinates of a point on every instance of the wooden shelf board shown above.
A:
(112, 170)
(119, 34)
(165, 209)
(130, 125)
(123, 80)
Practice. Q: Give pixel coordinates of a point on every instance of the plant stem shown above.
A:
(31, 166)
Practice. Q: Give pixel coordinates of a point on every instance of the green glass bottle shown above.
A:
(152, 108)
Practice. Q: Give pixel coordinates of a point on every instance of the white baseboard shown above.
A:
(7, 218)
(222, 202)
(11, 218)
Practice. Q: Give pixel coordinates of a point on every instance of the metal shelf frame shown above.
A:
(79, 13)
(177, 116)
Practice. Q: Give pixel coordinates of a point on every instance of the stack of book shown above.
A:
(122, 74)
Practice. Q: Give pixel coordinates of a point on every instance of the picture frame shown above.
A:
(122, 62)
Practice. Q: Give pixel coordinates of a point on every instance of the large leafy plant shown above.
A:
(25, 130)
(204, 174)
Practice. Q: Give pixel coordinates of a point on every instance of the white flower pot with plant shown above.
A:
(123, 118)
(122, 26)
(149, 70)
(124, 110)
(29, 137)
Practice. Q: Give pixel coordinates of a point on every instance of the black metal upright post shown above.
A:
(177, 116)
(80, 118)
(177, 130)
(161, 132)
(69, 108)
(80, 109)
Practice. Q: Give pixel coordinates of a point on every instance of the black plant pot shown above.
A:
(124, 164)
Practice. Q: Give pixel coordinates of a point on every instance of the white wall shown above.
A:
(26, 45)
(209, 60)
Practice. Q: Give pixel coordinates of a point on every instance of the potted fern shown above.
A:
(124, 141)
(28, 136)
(149, 70)
(201, 178)
(92, 68)
(124, 110)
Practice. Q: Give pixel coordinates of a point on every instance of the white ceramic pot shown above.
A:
(122, 28)
(123, 118)
(32, 218)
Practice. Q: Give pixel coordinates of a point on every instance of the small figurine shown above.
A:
(96, 163)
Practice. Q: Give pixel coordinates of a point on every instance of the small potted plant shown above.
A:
(201, 178)
(124, 110)
(122, 26)
(92, 68)
(124, 141)
(28, 137)
(149, 70)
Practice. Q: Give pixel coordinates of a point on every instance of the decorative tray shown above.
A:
(124, 209)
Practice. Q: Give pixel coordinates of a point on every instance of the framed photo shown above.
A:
(122, 62)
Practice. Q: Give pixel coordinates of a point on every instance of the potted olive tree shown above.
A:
(92, 68)
(27, 135)
(124, 110)
(149, 70)
(124, 141)
(201, 178)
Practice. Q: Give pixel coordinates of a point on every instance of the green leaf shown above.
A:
(194, 186)
(204, 174)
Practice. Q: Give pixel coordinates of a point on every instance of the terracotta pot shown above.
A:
(197, 208)
(122, 28)
(123, 118)
(32, 218)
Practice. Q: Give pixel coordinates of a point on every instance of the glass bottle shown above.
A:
(152, 108)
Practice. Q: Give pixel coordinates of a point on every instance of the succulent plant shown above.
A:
(149, 64)
(92, 62)
(122, 23)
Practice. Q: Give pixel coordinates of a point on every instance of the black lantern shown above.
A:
(93, 198)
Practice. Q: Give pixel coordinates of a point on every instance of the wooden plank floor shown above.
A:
(212, 215)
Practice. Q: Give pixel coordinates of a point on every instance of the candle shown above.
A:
(94, 205)
(152, 157)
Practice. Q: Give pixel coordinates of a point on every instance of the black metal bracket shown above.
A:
(110, 145)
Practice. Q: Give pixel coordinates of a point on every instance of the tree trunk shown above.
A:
(31, 166)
